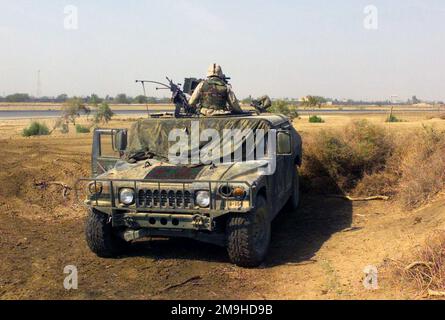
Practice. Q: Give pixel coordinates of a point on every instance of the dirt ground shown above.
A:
(318, 252)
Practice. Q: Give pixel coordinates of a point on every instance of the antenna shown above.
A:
(39, 85)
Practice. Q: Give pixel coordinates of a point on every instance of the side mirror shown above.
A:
(120, 140)
(284, 143)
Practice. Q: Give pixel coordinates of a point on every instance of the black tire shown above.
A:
(100, 237)
(294, 200)
(248, 236)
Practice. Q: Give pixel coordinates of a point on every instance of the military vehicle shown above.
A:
(230, 199)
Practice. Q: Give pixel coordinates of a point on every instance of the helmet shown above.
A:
(215, 71)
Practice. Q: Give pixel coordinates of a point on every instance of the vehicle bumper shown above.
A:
(218, 239)
(162, 221)
(172, 197)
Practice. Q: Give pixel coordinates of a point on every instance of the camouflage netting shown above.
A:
(151, 136)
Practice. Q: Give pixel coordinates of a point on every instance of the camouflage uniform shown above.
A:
(214, 96)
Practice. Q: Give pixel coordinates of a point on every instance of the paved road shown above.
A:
(38, 114)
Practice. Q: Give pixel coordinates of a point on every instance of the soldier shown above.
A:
(262, 104)
(214, 96)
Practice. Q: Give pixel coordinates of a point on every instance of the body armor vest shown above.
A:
(214, 94)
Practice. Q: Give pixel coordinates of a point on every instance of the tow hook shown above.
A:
(202, 222)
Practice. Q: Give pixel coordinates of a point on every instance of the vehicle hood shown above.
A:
(155, 170)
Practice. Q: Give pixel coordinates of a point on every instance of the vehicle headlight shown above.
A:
(126, 196)
(203, 199)
(232, 192)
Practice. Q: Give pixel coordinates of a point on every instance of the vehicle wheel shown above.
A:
(100, 237)
(248, 236)
(294, 200)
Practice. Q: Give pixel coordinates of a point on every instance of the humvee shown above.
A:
(137, 191)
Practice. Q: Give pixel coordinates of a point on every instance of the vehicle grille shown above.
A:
(165, 199)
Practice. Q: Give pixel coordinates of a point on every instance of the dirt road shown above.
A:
(318, 252)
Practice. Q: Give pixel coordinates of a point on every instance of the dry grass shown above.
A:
(422, 168)
(439, 116)
(343, 157)
(365, 159)
(427, 271)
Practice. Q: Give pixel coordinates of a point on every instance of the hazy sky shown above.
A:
(283, 48)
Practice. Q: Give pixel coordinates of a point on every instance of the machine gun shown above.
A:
(262, 104)
(182, 107)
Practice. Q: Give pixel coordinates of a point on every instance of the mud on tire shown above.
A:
(248, 236)
(100, 237)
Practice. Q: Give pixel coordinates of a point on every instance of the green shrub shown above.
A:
(82, 129)
(316, 119)
(64, 128)
(62, 125)
(103, 114)
(283, 107)
(393, 118)
(36, 129)
(72, 109)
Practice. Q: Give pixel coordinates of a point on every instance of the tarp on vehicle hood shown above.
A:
(151, 136)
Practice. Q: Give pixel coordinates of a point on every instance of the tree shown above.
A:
(283, 107)
(141, 99)
(94, 100)
(18, 97)
(104, 114)
(152, 100)
(122, 98)
(72, 109)
(62, 97)
(313, 101)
